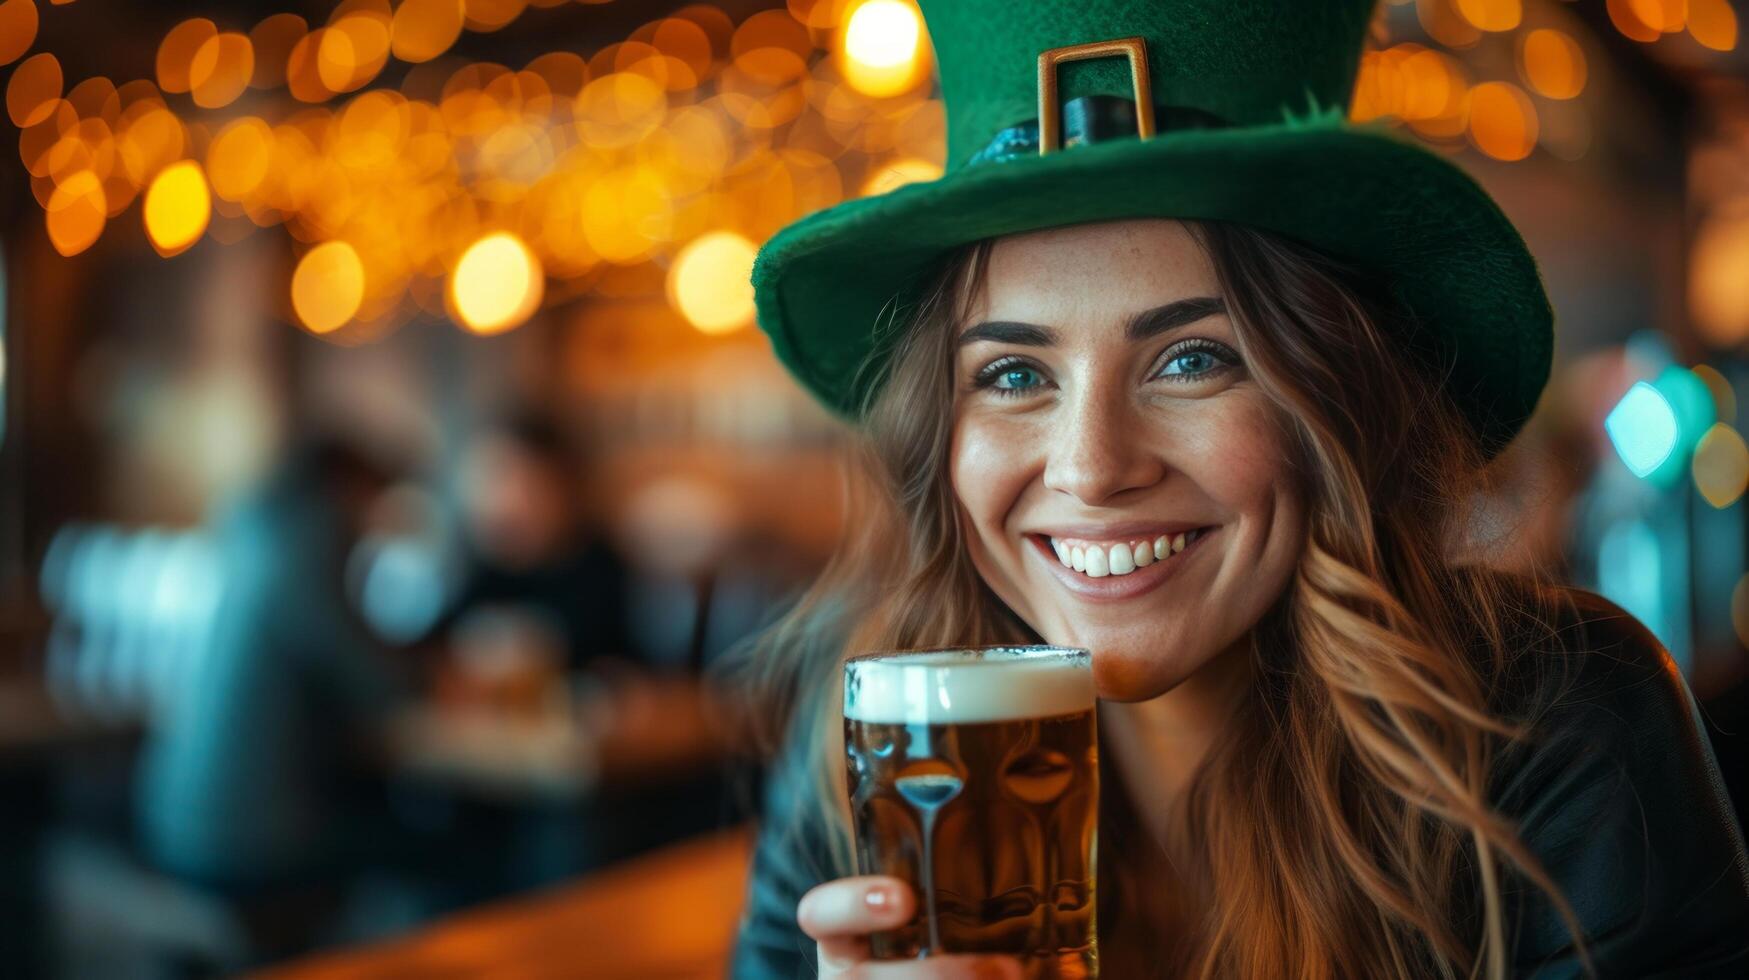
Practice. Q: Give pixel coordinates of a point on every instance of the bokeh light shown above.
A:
(327, 287)
(1491, 15)
(1552, 63)
(1665, 16)
(176, 52)
(423, 29)
(1692, 402)
(1642, 427)
(1718, 279)
(1721, 465)
(882, 47)
(221, 70)
(1503, 122)
(178, 207)
(150, 139)
(1627, 20)
(497, 284)
(891, 176)
(272, 41)
(76, 213)
(709, 282)
(355, 47)
(238, 158)
(1724, 396)
(18, 23)
(485, 16)
(1713, 24)
(34, 90)
(1444, 24)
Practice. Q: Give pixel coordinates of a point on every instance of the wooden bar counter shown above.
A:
(669, 915)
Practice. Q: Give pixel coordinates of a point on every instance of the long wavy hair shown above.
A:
(1344, 829)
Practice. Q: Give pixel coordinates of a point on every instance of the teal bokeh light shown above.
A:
(1643, 428)
(1657, 424)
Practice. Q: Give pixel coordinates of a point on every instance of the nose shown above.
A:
(1098, 449)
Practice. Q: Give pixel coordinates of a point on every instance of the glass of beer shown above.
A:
(974, 777)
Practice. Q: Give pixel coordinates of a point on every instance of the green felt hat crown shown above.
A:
(1246, 105)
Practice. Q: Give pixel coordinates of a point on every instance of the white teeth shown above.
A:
(1123, 560)
(1096, 563)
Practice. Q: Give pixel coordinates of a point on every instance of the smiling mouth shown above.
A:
(1100, 559)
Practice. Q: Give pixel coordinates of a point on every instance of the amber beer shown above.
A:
(974, 776)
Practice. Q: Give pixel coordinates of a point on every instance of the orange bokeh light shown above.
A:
(76, 213)
(1553, 63)
(1491, 15)
(18, 24)
(176, 52)
(1503, 122)
(221, 70)
(423, 29)
(34, 91)
(1713, 24)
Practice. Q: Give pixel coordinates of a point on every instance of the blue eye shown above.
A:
(1195, 362)
(1010, 376)
(1191, 363)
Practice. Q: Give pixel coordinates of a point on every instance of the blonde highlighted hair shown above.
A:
(1344, 830)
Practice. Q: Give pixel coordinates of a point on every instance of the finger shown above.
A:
(855, 906)
(839, 914)
(961, 967)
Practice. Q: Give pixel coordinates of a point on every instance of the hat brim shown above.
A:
(830, 287)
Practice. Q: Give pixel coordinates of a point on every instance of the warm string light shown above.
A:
(694, 128)
(693, 125)
(1429, 91)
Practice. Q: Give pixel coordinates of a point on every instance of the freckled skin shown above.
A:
(1098, 434)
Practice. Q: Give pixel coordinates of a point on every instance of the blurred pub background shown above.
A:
(387, 456)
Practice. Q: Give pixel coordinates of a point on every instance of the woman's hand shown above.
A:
(840, 914)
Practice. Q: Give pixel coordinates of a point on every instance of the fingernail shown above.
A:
(879, 898)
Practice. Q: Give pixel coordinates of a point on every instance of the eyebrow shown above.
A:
(1152, 323)
(1148, 323)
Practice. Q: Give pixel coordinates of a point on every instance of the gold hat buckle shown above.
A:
(1050, 114)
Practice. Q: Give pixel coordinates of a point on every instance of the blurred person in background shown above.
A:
(532, 548)
(548, 599)
(250, 785)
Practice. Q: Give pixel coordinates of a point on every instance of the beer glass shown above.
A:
(974, 777)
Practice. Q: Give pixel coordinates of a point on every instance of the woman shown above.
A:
(1230, 457)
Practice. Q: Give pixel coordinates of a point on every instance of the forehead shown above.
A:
(1092, 272)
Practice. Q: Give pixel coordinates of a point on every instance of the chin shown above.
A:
(1133, 677)
(1130, 668)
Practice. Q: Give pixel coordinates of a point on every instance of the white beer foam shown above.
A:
(967, 686)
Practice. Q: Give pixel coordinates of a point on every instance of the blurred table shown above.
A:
(670, 915)
(545, 757)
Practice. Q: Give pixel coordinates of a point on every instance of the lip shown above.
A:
(1118, 588)
(1116, 532)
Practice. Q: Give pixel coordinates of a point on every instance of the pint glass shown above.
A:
(974, 777)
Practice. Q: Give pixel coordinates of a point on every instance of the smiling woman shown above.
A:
(1231, 457)
(1194, 450)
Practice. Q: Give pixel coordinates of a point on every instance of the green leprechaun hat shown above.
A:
(1242, 119)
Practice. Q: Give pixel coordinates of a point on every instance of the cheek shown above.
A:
(990, 471)
(1247, 469)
